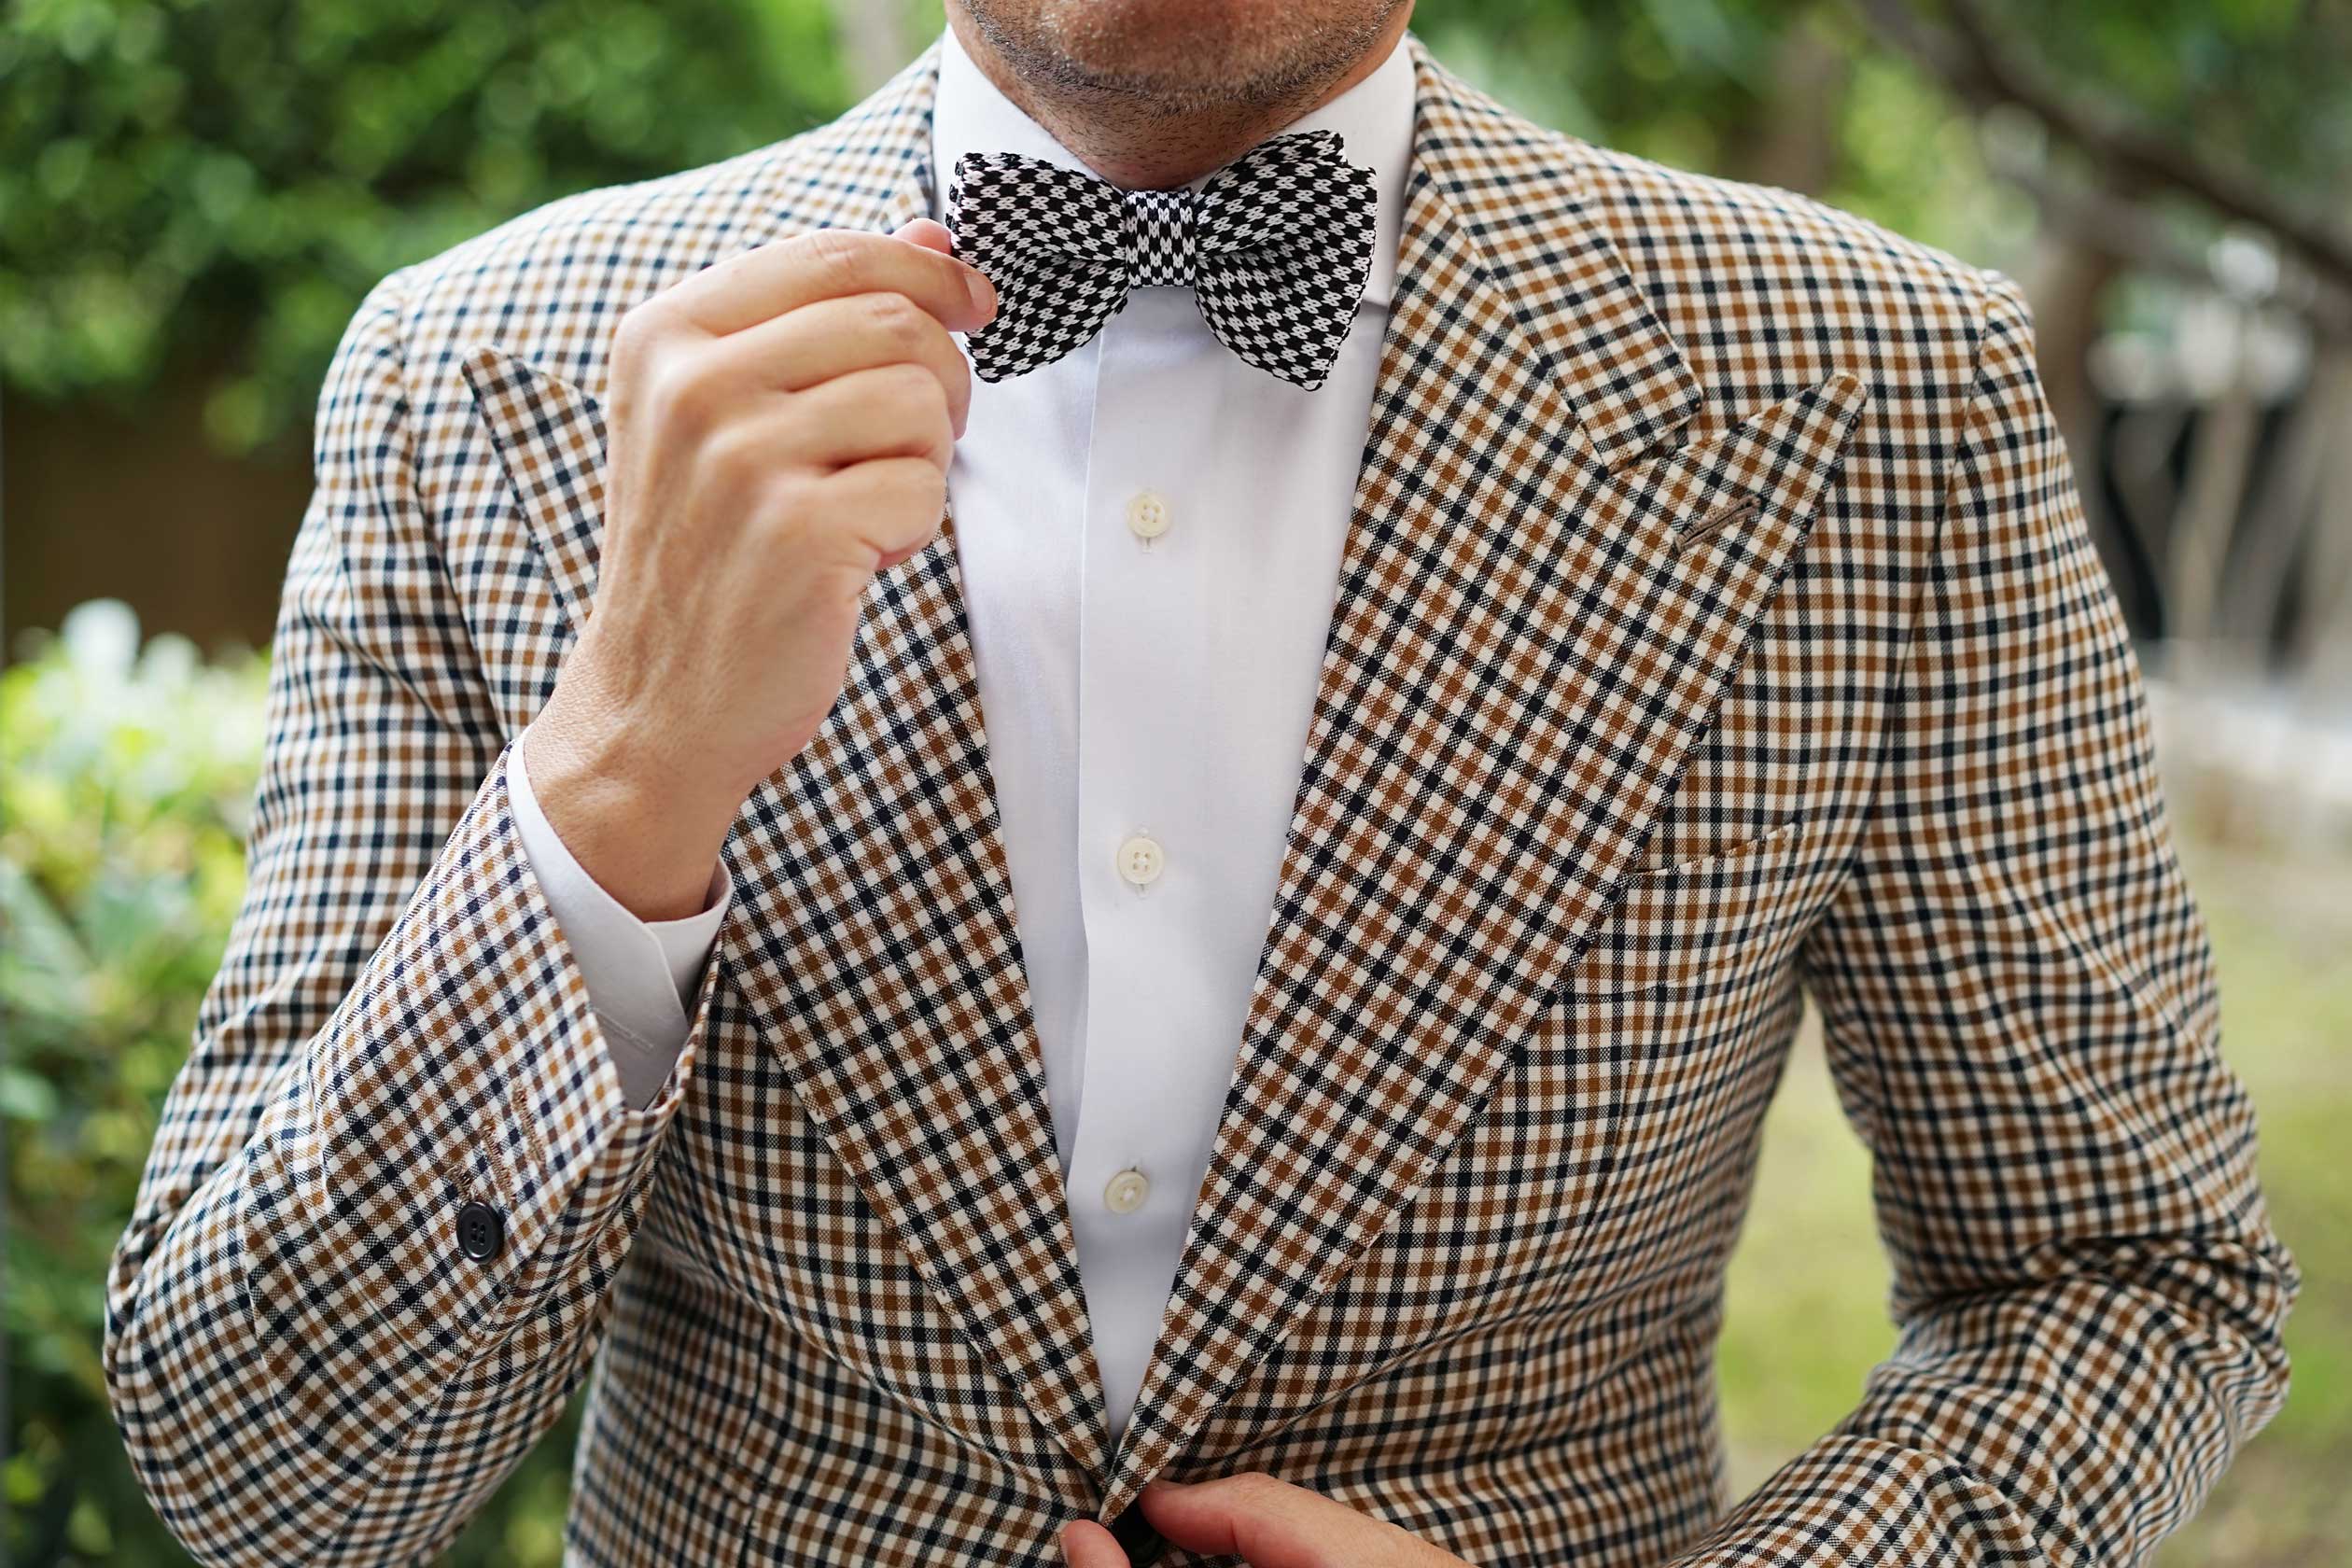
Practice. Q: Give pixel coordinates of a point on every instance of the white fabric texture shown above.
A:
(1129, 687)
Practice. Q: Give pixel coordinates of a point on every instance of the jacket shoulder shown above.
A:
(552, 283)
(1768, 290)
(1723, 213)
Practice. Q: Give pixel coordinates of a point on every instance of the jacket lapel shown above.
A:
(873, 929)
(1546, 592)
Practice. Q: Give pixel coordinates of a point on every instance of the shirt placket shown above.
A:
(1156, 1058)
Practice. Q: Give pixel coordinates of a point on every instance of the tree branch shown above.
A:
(1970, 59)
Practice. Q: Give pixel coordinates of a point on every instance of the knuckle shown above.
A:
(786, 499)
(925, 487)
(832, 253)
(889, 395)
(896, 317)
(686, 397)
(637, 323)
(633, 341)
(734, 449)
(644, 324)
(913, 389)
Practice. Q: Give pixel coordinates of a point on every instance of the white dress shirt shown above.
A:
(1150, 533)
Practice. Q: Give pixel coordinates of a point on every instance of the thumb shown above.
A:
(930, 235)
(1086, 1545)
(934, 236)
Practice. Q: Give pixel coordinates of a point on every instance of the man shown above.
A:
(1444, 634)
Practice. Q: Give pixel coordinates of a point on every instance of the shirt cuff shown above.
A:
(640, 974)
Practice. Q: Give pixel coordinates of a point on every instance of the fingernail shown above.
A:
(983, 296)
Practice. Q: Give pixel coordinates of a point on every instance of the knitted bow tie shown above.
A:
(1275, 247)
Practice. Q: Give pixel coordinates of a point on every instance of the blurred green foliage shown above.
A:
(2262, 89)
(123, 784)
(1816, 95)
(125, 778)
(217, 182)
(2256, 83)
(1723, 86)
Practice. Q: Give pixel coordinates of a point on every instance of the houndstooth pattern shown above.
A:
(1276, 245)
(1718, 628)
(1161, 226)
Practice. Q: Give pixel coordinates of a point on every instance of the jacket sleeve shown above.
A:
(641, 974)
(307, 1364)
(2022, 1022)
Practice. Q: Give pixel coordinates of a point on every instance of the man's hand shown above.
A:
(1268, 1523)
(779, 429)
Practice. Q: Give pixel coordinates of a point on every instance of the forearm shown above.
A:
(307, 1363)
(631, 804)
(2074, 1418)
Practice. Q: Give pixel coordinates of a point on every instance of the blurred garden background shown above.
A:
(195, 194)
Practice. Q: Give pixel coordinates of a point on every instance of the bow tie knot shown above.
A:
(1160, 238)
(1275, 248)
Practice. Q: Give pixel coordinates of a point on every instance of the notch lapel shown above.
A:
(1546, 592)
(872, 933)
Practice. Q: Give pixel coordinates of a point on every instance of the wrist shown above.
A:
(649, 837)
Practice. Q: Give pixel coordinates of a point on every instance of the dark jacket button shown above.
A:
(481, 1231)
(1134, 1532)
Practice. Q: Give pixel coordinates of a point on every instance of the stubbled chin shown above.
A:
(1178, 49)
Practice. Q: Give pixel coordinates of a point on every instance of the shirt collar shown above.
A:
(1373, 119)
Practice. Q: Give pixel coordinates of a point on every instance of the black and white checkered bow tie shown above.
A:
(1275, 246)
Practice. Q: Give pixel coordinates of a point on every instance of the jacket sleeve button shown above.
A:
(481, 1231)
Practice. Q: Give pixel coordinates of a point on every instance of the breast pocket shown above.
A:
(1680, 1009)
(1695, 925)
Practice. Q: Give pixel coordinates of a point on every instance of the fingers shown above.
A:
(895, 504)
(834, 337)
(930, 235)
(827, 263)
(1086, 1545)
(1272, 1524)
(890, 410)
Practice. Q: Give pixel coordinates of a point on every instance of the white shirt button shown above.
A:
(1126, 1192)
(1139, 860)
(1147, 515)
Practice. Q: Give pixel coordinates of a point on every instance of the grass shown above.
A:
(1806, 1320)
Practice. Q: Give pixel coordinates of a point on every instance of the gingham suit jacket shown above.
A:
(1718, 625)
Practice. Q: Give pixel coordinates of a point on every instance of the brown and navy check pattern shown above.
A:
(1718, 628)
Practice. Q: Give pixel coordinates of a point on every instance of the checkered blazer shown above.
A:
(1718, 628)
